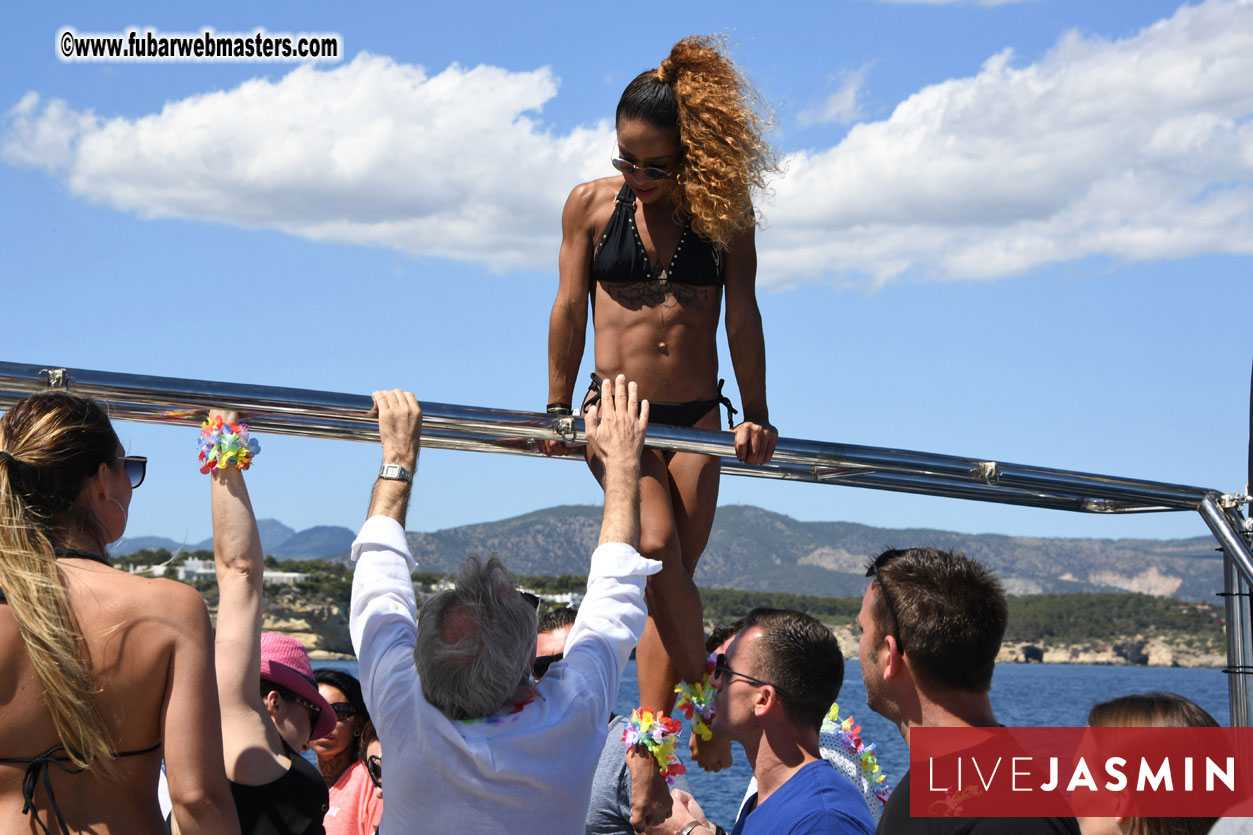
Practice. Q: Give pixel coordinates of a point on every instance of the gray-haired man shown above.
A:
(471, 744)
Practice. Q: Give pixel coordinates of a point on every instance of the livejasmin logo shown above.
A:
(1060, 772)
(1020, 773)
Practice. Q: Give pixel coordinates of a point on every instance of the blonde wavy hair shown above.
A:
(720, 121)
(50, 445)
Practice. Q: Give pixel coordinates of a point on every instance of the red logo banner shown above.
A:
(1085, 772)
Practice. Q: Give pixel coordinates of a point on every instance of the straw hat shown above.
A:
(284, 662)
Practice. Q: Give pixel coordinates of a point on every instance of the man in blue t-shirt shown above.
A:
(776, 681)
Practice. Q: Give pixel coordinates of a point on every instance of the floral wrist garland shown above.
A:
(224, 445)
(848, 734)
(658, 733)
(697, 702)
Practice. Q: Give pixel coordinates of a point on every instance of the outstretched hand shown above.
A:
(616, 426)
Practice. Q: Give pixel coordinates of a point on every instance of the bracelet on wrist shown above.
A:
(224, 445)
(559, 409)
(696, 701)
(656, 733)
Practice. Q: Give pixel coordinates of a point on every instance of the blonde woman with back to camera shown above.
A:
(105, 673)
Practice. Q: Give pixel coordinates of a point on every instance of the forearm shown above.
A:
(567, 333)
(391, 498)
(621, 522)
(748, 356)
(236, 540)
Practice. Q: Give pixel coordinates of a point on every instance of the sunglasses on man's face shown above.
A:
(542, 663)
(136, 467)
(722, 668)
(343, 711)
(649, 171)
(374, 765)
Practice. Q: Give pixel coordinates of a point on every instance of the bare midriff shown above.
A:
(662, 335)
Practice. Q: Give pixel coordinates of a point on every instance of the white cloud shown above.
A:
(841, 107)
(1137, 149)
(373, 152)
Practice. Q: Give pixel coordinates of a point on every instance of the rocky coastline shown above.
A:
(323, 628)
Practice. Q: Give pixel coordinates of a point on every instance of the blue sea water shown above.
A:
(1022, 695)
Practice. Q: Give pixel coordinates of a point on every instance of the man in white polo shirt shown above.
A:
(472, 743)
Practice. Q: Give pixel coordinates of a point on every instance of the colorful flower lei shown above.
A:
(697, 702)
(223, 445)
(848, 733)
(658, 733)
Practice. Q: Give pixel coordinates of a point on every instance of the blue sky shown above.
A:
(1019, 231)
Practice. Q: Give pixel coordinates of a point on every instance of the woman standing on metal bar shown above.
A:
(654, 251)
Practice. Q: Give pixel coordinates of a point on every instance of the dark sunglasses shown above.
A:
(343, 710)
(649, 171)
(873, 571)
(315, 712)
(721, 669)
(374, 765)
(543, 662)
(136, 467)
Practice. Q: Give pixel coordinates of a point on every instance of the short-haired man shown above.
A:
(931, 625)
(776, 681)
(471, 744)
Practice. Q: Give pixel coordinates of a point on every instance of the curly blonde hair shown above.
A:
(720, 122)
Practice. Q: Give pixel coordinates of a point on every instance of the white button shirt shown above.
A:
(529, 772)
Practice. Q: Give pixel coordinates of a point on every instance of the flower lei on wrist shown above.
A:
(658, 733)
(848, 734)
(224, 445)
(697, 702)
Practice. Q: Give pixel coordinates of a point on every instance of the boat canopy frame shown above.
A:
(340, 416)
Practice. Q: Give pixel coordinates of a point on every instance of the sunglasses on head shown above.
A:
(343, 710)
(374, 765)
(873, 571)
(542, 663)
(649, 171)
(721, 668)
(136, 467)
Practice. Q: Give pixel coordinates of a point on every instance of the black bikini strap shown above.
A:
(726, 401)
(81, 555)
(36, 767)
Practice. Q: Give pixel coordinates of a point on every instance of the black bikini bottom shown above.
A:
(673, 414)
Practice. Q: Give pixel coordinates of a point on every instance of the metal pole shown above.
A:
(450, 426)
(1237, 616)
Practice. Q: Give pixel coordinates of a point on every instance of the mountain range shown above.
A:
(757, 550)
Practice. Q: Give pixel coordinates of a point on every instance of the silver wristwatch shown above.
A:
(395, 472)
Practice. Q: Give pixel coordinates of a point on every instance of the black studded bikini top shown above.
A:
(620, 257)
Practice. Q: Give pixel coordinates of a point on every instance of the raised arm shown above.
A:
(400, 432)
(191, 722)
(567, 325)
(755, 437)
(247, 731)
(615, 430)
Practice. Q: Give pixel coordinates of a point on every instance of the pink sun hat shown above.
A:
(284, 662)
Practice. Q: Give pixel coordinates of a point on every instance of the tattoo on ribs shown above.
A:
(652, 293)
